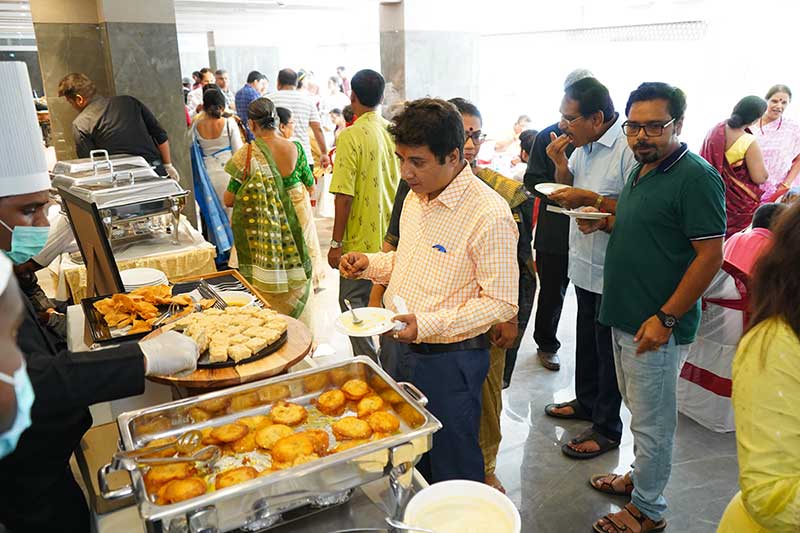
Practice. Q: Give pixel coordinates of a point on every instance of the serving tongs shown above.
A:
(207, 291)
(186, 445)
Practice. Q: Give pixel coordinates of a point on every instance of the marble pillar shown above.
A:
(125, 48)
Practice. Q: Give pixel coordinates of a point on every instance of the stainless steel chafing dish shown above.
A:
(272, 500)
(134, 202)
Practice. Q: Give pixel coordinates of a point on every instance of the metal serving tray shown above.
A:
(266, 502)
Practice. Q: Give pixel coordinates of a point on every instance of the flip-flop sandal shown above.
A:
(646, 524)
(606, 445)
(577, 411)
(607, 487)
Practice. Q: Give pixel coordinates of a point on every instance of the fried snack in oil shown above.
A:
(273, 393)
(351, 427)
(180, 490)
(368, 405)
(198, 415)
(319, 438)
(391, 396)
(255, 422)
(207, 439)
(167, 452)
(315, 382)
(409, 415)
(287, 449)
(235, 476)
(383, 422)
(332, 403)
(215, 405)
(160, 474)
(242, 402)
(245, 444)
(230, 432)
(266, 437)
(355, 389)
(289, 414)
(299, 460)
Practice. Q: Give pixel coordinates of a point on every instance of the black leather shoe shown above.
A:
(549, 360)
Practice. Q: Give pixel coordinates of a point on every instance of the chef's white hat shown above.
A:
(23, 167)
(5, 272)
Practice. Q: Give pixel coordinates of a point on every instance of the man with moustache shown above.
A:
(597, 171)
(664, 250)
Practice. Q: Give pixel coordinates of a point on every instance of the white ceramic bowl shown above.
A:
(237, 298)
(460, 505)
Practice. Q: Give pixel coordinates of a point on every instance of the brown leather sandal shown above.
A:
(645, 524)
(598, 482)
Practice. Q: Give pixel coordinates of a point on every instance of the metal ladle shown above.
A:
(402, 525)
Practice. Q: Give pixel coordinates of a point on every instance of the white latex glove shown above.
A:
(169, 353)
(172, 172)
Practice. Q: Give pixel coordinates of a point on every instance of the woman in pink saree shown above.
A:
(779, 139)
(730, 147)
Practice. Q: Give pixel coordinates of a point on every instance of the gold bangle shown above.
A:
(599, 202)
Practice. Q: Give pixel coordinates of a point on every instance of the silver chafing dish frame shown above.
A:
(257, 504)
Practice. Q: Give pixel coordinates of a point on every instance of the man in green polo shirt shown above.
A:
(365, 179)
(664, 250)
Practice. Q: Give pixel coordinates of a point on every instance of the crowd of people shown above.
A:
(457, 250)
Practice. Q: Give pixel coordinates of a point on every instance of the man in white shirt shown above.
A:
(195, 98)
(597, 171)
(304, 112)
(224, 84)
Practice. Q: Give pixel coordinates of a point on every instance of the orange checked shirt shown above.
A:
(456, 263)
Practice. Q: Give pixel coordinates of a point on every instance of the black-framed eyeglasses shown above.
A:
(476, 136)
(632, 129)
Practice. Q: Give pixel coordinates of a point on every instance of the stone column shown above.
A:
(212, 51)
(425, 51)
(126, 48)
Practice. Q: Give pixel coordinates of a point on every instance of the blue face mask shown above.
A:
(24, 393)
(26, 241)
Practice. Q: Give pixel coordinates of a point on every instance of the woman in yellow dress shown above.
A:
(766, 394)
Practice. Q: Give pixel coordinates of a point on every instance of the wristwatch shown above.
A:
(335, 243)
(668, 321)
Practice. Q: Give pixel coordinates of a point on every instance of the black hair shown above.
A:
(523, 118)
(205, 70)
(746, 111)
(347, 113)
(209, 87)
(339, 68)
(368, 87)
(656, 90)
(592, 96)
(196, 73)
(336, 111)
(255, 76)
(220, 72)
(284, 115)
(287, 77)
(779, 89)
(465, 107)
(767, 214)
(430, 122)
(213, 102)
(262, 112)
(526, 139)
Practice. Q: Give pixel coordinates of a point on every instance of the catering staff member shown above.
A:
(120, 124)
(38, 492)
(456, 268)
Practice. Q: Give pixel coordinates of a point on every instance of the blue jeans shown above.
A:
(648, 385)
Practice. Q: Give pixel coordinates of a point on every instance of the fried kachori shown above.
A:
(332, 403)
(289, 414)
(355, 389)
(160, 474)
(235, 476)
(289, 448)
(245, 444)
(383, 422)
(267, 436)
(368, 405)
(351, 427)
(181, 489)
(319, 438)
(255, 422)
(229, 432)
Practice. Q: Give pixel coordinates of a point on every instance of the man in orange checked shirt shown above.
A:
(456, 268)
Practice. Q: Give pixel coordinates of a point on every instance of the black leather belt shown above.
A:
(481, 342)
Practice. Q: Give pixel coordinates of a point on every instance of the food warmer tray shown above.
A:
(273, 500)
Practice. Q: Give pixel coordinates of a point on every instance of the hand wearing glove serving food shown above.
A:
(172, 172)
(169, 353)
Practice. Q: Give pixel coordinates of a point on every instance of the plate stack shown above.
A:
(136, 278)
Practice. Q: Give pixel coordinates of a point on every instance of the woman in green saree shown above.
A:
(271, 252)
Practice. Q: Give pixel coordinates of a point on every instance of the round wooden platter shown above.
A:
(297, 346)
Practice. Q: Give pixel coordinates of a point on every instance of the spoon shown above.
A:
(186, 443)
(401, 525)
(356, 320)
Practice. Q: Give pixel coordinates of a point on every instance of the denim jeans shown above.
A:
(648, 385)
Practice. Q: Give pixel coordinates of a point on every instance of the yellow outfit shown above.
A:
(766, 396)
(738, 149)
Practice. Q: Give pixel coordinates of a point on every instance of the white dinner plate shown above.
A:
(591, 215)
(549, 188)
(376, 320)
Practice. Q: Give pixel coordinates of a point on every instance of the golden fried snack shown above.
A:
(198, 415)
(287, 449)
(207, 439)
(355, 389)
(383, 422)
(255, 422)
(319, 438)
(215, 405)
(230, 432)
(391, 396)
(348, 445)
(235, 476)
(273, 393)
(160, 474)
(378, 383)
(168, 452)
(409, 415)
(243, 402)
(180, 490)
(140, 326)
(368, 405)
(315, 382)
(267, 436)
(351, 427)
(289, 414)
(245, 444)
(182, 299)
(332, 403)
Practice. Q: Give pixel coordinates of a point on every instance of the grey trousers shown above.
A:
(357, 291)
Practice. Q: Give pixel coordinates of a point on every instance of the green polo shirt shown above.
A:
(650, 249)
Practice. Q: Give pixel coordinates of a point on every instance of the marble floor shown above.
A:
(551, 490)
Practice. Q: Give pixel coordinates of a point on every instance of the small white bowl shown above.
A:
(237, 298)
(460, 505)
